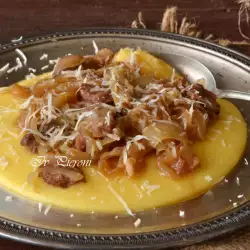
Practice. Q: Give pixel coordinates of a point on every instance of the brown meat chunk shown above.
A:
(80, 143)
(30, 142)
(59, 176)
(198, 93)
(85, 95)
(99, 123)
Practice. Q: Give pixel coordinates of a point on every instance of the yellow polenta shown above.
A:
(227, 137)
(219, 153)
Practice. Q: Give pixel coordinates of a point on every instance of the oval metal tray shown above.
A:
(205, 217)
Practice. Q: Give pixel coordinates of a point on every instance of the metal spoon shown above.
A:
(196, 70)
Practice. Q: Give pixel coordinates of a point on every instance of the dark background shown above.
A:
(36, 17)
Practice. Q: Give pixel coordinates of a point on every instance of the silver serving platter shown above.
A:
(205, 217)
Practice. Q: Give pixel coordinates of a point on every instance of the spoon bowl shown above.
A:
(197, 72)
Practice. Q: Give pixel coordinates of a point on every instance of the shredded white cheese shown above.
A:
(120, 199)
(240, 196)
(30, 76)
(173, 75)
(99, 145)
(137, 222)
(26, 103)
(45, 67)
(108, 118)
(54, 61)
(8, 198)
(44, 57)
(208, 178)
(235, 204)
(46, 211)
(78, 225)
(72, 216)
(238, 181)
(22, 55)
(95, 47)
(78, 73)
(181, 213)
(4, 68)
(40, 207)
(246, 161)
(32, 70)
(149, 188)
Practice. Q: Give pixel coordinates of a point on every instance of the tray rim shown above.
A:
(225, 223)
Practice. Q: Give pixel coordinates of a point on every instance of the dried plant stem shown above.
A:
(243, 10)
(139, 22)
(171, 24)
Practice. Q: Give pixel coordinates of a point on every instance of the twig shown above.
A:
(139, 23)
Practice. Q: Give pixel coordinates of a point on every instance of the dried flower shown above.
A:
(139, 22)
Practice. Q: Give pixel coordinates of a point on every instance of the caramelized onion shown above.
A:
(162, 130)
(68, 62)
(20, 91)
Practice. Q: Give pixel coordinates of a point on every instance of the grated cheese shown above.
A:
(138, 190)
(54, 61)
(30, 76)
(78, 74)
(46, 211)
(85, 114)
(72, 216)
(40, 207)
(137, 222)
(149, 188)
(238, 181)
(19, 63)
(246, 161)
(17, 39)
(116, 217)
(120, 199)
(32, 70)
(78, 225)
(181, 213)
(44, 57)
(26, 103)
(99, 145)
(95, 47)
(108, 118)
(235, 204)
(125, 156)
(240, 196)
(208, 178)
(8, 198)
(22, 55)
(173, 75)
(4, 68)
(3, 162)
(45, 67)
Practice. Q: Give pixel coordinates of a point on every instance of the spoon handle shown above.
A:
(233, 94)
